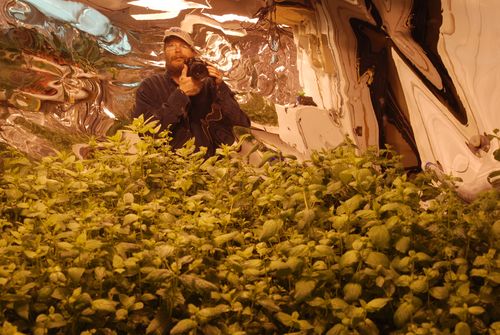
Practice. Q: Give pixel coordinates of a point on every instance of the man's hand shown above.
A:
(188, 85)
(213, 72)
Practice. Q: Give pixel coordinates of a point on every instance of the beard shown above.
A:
(175, 68)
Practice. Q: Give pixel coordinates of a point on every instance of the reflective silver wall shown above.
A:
(69, 70)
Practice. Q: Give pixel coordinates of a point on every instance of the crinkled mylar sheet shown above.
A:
(69, 70)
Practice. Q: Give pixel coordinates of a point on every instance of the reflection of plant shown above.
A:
(82, 50)
(258, 108)
(154, 241)
(493, 177)
(59, 139)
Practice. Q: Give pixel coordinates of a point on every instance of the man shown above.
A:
(201, 108)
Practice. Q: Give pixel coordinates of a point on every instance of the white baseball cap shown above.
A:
(178, 32)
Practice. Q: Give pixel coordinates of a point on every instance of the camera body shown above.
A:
(197, 68)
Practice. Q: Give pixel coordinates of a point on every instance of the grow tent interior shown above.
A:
(421, 76)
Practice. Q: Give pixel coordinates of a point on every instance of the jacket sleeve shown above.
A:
(229, 106)
(155, 101)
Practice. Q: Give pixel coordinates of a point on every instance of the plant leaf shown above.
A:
(269, 304)
(105, 305)
(205, 314)
(352, 291)
(183, 326)
(130, 218)
(476, 310)
(375, 258)
(349, 258)
(403, 244)
(303, 289)
(270, 228)
(285, 319)
(379, 235)
(403, 314)
(75, 273)
(376, 304)
(462, 328)
(439, 292)
(197, 283)
(224, 238)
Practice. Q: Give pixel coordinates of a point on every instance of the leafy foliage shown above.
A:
(83, 50)
(258, 108)
(494, 177)
(140, 239)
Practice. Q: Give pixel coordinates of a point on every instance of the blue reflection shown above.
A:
(88, 20)
(121, 47)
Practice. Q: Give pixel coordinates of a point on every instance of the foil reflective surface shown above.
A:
(69, 70)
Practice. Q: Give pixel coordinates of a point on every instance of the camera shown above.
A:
(197, 68)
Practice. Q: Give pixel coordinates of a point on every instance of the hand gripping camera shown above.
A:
(197, 69)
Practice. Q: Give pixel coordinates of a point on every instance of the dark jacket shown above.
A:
(209, 116)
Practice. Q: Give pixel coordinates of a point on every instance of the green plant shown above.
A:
(494, 176)
(258, 108)
(142, 239)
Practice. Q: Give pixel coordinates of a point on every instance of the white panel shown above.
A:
(440, 140)
(308, 128)
(469, 46)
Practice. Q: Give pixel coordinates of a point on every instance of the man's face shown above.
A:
(176, 53)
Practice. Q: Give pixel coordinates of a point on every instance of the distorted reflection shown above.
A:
(308, 73)
(70, 70)
(79, 16)
(170, 9)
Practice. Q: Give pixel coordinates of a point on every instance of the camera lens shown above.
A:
(197, 69)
